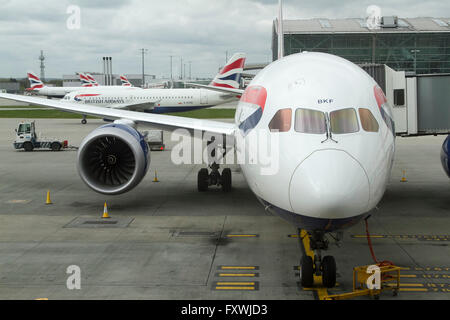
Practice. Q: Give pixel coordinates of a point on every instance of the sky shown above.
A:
(199, 31)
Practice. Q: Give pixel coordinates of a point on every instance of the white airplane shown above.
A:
(38, 87)
(167, 100)
(336, 143)
(336, 146)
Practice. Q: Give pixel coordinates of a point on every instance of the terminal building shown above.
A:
(409, 59)
(414, 45)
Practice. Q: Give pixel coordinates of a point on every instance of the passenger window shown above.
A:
(310, 121)
(281, 121)
(368, 121)
(344, 121)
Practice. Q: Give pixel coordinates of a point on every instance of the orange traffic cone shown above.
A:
(105, 212)
(156, 178)
(403, 177)
(48, 201)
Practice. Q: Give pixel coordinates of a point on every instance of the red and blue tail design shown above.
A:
(35, 82)
(125, 81)
(230, 75)
(92, 80)
(85, 82)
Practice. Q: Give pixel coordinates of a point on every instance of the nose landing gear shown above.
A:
(313, 243)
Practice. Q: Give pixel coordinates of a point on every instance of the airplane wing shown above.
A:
(161, 121)
(220, 89)
(145, 106)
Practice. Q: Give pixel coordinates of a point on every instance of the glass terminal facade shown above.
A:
(422, 53)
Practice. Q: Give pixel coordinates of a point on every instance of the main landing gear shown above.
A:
(325, 267)
(215, 178)
(84, 121)
(206, 179)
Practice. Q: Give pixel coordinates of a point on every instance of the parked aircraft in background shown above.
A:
(166, 100)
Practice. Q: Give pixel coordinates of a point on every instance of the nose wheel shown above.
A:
(84, 121)
(325, 267)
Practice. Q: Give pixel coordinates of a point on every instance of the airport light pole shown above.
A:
(415, 51)
(181, 68)
(143, 52)
(190, 75)
(171, 76)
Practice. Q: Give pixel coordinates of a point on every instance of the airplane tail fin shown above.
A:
(35, 82)
(125, 81)
(230, 75)
(92, 80)
(85, 82)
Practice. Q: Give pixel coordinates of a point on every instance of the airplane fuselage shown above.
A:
(334, 140)
(60, 92)
(151, 100)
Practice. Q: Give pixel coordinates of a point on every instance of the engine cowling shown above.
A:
(445, 157)
(113, 159)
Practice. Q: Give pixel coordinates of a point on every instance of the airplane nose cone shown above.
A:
(329, 184)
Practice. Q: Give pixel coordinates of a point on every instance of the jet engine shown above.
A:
(445, 155)
(113, 159)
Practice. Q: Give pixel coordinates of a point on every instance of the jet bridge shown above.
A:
(421, 103)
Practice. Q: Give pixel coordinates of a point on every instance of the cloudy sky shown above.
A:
(200, 31)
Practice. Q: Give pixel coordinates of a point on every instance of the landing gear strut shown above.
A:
(326, 266)
(84, 121)
(214, 178)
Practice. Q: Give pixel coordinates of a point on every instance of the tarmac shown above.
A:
(171, 242)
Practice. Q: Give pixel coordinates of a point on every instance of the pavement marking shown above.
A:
(408, 276)
(411, 284)
(420, 237)
(439, 269)
(238, 274)
(413, 289)
(235, 283)
(238, 267)
(18, 201)
(242, 235)
(235, 288)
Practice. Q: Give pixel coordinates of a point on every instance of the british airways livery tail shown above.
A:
(230, 75)
(92, 80)
(85, 82)
(125, 81)
(35, 82)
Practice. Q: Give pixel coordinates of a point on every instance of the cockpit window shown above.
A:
(310, 121)
(24, 128)
(344, 121)
(281, 121)
(368, 121)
